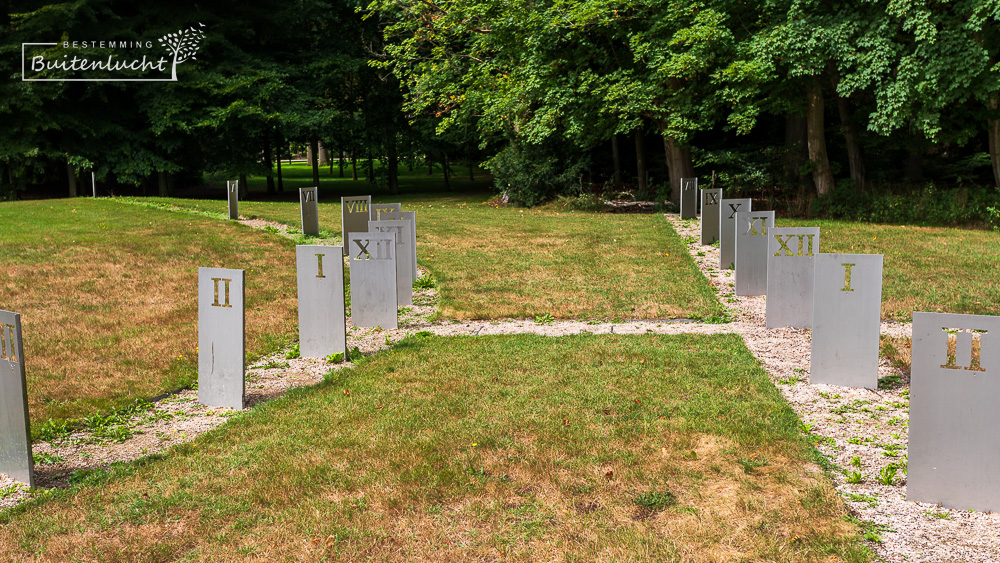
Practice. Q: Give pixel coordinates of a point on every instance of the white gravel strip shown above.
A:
(862, 431)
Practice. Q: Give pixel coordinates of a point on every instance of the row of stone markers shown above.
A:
(382, 242)
(954, 448)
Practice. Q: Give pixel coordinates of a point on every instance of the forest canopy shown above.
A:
(810, 105)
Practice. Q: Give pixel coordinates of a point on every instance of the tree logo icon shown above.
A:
(183, 45)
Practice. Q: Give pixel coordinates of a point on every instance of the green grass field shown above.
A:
(108, 297)
(501, 262)
(938, 269)
(521, 448)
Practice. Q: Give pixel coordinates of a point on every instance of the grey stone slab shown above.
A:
(379, 208)
(322, 318)
(727, 230)
(847, 306)
(689, 198)
(373, 279)
(15, 429)
(221, 342)
(309, 207)
(791, 252)
(752, 228)
(412, 217)
(954, 446)
(404, 256)
(355, 212)
(711, 214)
(232, 193)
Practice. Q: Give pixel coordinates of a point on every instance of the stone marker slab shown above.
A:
(404, 256)
(221, 342)
(752, 228)
(412, 217)
(373, 279)
(322, 318)
(727, 230)
(309, 207)
(847, 307)
(689, 198)
(355, 212)
(954, 446)
(711, 214)
(379, 208)
(791, 252)
(15, 430)
(232, 193)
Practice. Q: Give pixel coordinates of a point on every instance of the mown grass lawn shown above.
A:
(580, 448)
(108, 297)
(501, 262)
(938, 269)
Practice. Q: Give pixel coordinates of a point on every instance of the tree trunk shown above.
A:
(314, 160)
(679, 165)
(340, 162)
(914, 166)
(10, 180)
(392, 167)
(269, 164)
(447, 173)
(371, 168)
(994, 134)
(468, 161)
(616, 159)
(640, 164)
(855, 157)
(796, 148)
(281, 182)
(71, 174)
(354, 164)
(430, 166)
(243, 190)
(816, 140)
(162, 184)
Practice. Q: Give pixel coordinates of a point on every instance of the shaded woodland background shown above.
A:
(882, 110)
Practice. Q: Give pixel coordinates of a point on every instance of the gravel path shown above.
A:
(861, 431)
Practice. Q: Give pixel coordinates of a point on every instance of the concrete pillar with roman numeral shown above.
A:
(15, 429)
(221, 341)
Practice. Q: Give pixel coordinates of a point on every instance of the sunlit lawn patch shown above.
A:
(935, 269)
(582, 448)
(108, 297)
(509, 262)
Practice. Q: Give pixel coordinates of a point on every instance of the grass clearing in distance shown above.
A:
(507, 262)
(108, 297)
(934, 269)
(298, 174)
(478, 448)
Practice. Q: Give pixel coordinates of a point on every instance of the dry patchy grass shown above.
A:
(509, 262)
(585, 448)
(935, 269)
(108, 297)
(898, 349)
